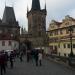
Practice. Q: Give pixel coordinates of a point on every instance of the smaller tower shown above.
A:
(22, 30)
(9, 15)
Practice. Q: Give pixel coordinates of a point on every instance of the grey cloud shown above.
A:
(56, 9)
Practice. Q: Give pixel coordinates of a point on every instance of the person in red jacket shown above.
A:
(2, 62)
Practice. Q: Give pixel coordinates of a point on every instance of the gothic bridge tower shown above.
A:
(37, 24)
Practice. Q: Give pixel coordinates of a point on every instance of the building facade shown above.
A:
(9, 30)
(59, 36)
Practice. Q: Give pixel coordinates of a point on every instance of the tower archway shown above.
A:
(25, 46)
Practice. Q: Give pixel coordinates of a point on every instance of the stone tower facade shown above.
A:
(10, 25)
(37, 24)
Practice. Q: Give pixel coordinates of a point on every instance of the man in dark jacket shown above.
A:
(11, 59)
(36, 57)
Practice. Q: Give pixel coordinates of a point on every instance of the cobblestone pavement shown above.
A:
(48, 68)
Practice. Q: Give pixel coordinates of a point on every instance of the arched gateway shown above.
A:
(25, 46)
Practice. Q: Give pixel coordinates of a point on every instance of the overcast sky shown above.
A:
(56, 9)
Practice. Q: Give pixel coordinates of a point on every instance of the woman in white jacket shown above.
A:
(40, 58)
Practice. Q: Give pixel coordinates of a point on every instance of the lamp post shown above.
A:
(71, 30)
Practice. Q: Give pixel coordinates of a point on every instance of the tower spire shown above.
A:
(35, 5)
(5, 3)
(45, 4)
(27, 9)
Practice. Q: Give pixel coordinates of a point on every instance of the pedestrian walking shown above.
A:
(6, 59)
(36, 57)
(28, 55)
(2, 63)
(21, 56)
(11, 59)
(40, 58)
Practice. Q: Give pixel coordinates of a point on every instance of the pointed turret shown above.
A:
(36, 5)
(45, 5)
(27, 9)
(22, 30)
(8, 15)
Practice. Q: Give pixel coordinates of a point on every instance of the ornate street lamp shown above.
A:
(71, 31)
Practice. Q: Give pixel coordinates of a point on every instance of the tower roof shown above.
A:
(8, 15)
(35, 5)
